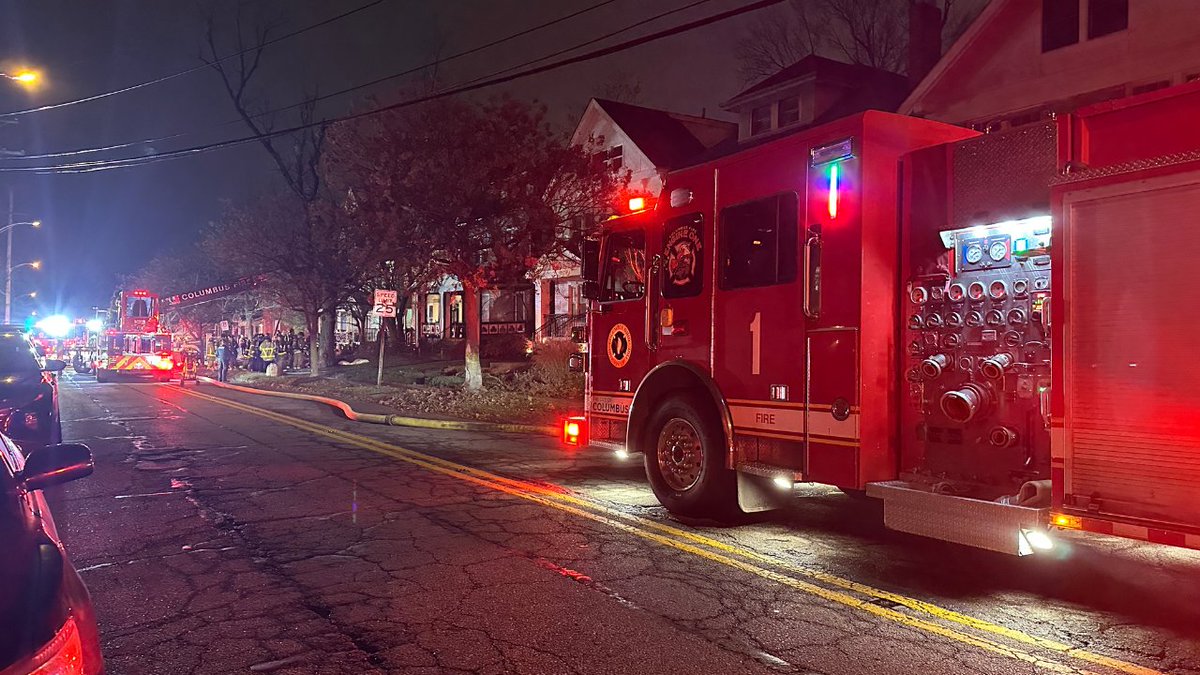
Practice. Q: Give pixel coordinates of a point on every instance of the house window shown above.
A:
(433, 308)
(758, 242)
(789, 111)
(1060, 23)
(615, 158)
(760, 120)
(1107, 16)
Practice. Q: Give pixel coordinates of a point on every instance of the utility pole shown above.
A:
(8, 262)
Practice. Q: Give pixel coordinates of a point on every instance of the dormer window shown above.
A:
(760, 120)
(1062, 25)
(789, 111)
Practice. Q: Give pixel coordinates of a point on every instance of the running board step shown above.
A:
(970, 522)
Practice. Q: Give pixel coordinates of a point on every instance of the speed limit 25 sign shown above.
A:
(385, 303)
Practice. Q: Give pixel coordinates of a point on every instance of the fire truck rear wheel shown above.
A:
(101, 375)
(685, 460)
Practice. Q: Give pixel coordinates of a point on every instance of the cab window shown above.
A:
(683, 259)
(624, 266)
(758, 242)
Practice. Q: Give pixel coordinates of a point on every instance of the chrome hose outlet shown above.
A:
(993, 367)
(933, 367)
(1002, 437)
(963, 404)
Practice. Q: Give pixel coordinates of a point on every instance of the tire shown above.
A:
(102, 375)
(685, 460)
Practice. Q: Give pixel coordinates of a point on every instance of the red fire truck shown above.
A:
(876, 304)
(137, 343)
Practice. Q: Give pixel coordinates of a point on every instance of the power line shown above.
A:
(410, 71)
(189, 71)
(101, 165)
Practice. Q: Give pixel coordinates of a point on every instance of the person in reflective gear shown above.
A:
(266, 351)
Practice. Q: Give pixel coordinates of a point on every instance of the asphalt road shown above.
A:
(233, 533)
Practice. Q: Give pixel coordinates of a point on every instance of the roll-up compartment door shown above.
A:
(1132, 350)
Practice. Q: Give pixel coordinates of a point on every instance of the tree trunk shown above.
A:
(312, 319)
(328, 339)
(473, 373)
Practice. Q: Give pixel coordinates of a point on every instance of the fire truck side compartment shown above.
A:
(1126, 404)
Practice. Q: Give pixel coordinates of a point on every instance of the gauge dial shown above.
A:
(957, 292)
(998, 250)
(937, 294)
(918, 295)
(974, 253)
(998, 289)
(975, 290)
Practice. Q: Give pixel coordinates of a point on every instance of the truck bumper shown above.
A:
(971, 522)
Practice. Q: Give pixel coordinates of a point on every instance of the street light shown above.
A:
(35, 224)
(24, 76)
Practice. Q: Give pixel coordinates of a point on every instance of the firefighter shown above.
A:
(266, 351)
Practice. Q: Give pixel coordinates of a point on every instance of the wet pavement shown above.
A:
(226, 532)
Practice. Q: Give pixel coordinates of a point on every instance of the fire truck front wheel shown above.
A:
(685, 461)
(102, 375)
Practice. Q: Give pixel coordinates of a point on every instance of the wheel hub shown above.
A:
(680, 454)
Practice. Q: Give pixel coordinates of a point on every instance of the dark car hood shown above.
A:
(20, 389)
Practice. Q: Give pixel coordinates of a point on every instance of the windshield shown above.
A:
(16, 355)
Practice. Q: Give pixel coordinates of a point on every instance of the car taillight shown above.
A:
(63, 655)
(31, 421)
(574, 430)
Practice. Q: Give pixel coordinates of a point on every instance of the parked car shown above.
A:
(28, 393)
(49, 624)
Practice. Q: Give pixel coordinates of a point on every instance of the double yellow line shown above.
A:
(924, 616)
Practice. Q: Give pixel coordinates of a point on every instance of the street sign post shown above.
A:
(385, 308)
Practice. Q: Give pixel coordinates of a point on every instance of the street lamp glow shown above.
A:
(36, 264)
(26, 76)
(36, 224)
(56, 326)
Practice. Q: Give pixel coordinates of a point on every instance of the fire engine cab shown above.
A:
(136, 345)
(978, 330)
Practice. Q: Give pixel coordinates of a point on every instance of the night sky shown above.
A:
(103, 224)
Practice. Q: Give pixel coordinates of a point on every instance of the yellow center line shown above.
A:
(715, 550)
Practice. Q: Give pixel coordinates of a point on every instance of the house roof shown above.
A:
(994, 9)
(668, 139)
(811, 67)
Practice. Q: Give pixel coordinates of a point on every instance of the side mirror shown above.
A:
(56, 464)
(56, 365)
(590, 290)
(589, 254)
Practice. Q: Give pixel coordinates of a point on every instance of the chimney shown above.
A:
(924, 39)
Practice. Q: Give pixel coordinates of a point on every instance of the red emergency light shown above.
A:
(140, 293)
(574, 430)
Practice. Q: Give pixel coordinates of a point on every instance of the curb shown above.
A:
(391, 420)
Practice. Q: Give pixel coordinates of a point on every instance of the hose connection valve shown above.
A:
(963, 404)
(993, 367)
(932, 367)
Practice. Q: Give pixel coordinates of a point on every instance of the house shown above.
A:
(814, 90)
(646, 143)
(1022, 60)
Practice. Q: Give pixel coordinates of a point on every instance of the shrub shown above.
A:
(506, 347)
